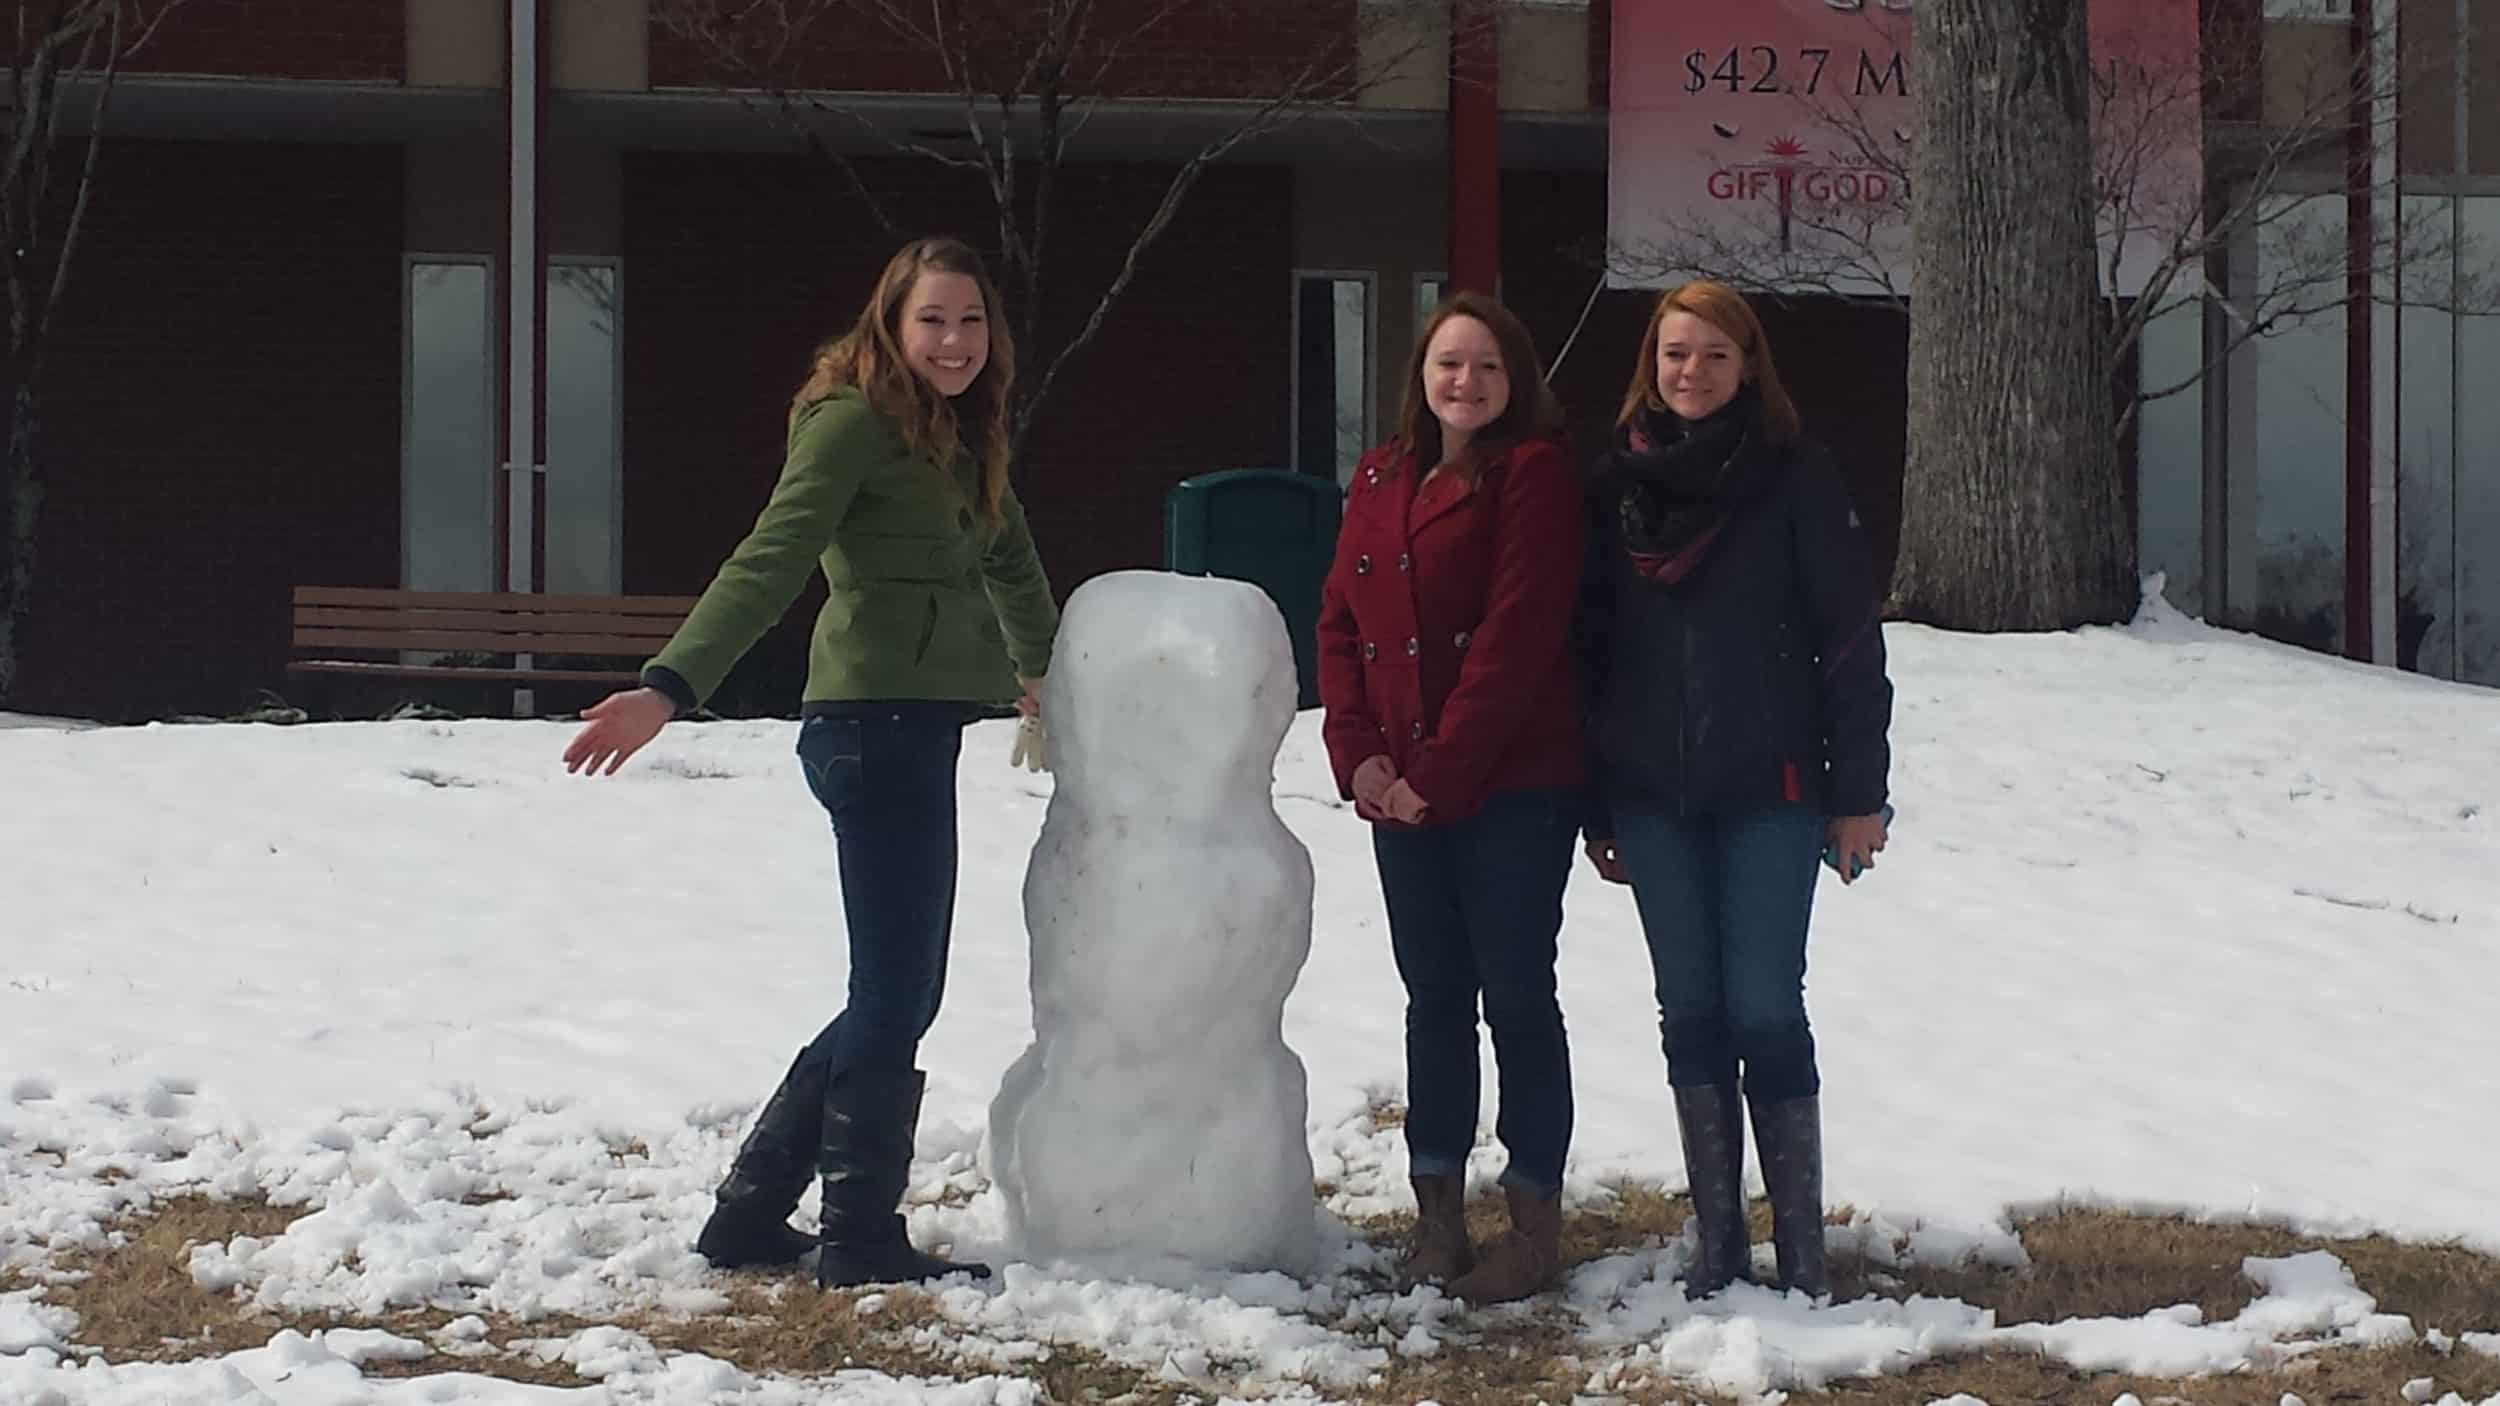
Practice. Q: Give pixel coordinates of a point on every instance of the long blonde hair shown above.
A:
(1726, 309)
(870, 358)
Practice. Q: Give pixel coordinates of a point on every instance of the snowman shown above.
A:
(1158, 1114)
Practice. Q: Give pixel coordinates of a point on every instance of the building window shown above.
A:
(1428, 290)
(1332, 370)
(447, 463)
(584, 484)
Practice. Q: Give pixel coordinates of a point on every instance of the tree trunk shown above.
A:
(2012, 514)
(20, 497)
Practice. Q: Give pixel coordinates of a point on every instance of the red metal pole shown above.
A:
(1475, 220)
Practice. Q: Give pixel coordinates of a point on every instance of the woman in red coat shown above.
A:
(1453, 725)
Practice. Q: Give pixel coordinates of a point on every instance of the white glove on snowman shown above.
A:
(1031, 750)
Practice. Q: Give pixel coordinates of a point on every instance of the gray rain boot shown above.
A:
(865, 1160)
(1711, 1120)
(1790, 1135)
(750, 1212)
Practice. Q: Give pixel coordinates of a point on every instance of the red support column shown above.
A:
(1475, 219)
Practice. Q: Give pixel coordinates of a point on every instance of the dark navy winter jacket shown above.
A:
(1756, 681)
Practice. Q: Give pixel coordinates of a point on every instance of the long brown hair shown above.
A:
(1726, 309)
(870, 358)
(1533, 409)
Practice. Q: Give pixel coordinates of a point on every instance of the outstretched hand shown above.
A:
(615, 728)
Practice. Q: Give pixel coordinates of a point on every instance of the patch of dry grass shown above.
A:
(2087, 1264)
(2020, 1379)
(782, 1324)
(138, 1303)
(1512, 1361)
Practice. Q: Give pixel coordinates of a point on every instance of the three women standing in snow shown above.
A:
(1738, 708)
(895, 487)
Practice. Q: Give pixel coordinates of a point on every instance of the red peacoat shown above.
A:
(1445, 627)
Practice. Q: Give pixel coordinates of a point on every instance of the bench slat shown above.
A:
(478, 641)
(379, 597)
(651, 627)
(442, 671)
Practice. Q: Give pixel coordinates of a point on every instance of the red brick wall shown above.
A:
(1205, 49)
(282, 39)
(223, 419)
(736, 266)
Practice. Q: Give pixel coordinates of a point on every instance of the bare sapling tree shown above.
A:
(1027, 77)
(64, 57)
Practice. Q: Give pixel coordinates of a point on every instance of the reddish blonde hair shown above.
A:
(1726, 309)
(870, 357)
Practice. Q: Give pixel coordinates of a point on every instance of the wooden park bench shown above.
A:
(364, 632)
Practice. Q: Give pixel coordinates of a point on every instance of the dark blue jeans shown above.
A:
(1474, 910)
(1724, 902)
(885, 773)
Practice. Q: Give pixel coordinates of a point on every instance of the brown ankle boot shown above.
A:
(1527, 1257)
(1439, 1251)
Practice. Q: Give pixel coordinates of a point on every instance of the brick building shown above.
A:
(294, 352)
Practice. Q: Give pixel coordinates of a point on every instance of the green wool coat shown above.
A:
(928, 597)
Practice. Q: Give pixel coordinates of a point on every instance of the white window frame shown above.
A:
(409, 260)
(1370, 280)
(616, 403)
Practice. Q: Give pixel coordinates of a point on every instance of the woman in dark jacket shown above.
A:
(1739, 706)
(1453, 726)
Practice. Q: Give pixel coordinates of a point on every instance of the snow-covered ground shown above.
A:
(2172, 919)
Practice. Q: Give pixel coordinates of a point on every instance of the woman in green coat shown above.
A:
(896, 488)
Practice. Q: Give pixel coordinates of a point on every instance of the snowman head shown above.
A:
(1168, 695)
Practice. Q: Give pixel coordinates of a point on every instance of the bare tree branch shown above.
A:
(1031, 75)
(58, 49)
(2149, 116)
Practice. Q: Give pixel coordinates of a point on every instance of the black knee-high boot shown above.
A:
(750, 1211)
(864, 1158)
(1711, 1121)
(1790, 1135)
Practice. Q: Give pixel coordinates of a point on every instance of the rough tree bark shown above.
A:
(2013, 516)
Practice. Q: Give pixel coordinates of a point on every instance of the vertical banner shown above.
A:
(1769, 142)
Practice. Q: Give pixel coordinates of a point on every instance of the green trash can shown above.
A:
(1272, 527)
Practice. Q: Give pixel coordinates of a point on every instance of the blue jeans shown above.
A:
(1724, 903)
(1474, 910)
(885, 773)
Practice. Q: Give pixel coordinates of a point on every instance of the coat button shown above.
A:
(1461, 639)
(1405, 562)
(1370, 650)
(1362, 566)
(1415, 731)
(1412, 648)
